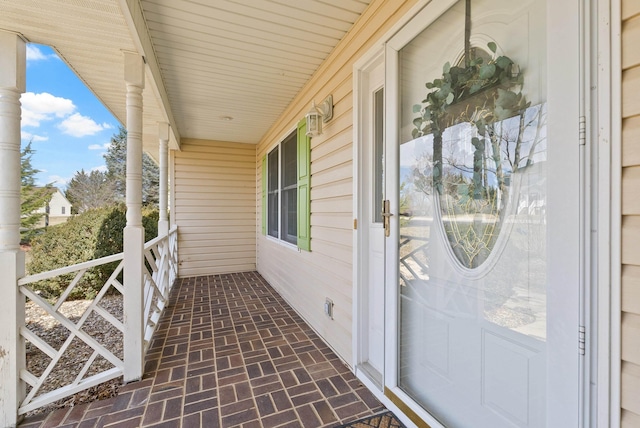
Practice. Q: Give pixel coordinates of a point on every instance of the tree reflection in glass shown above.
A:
(481, 134)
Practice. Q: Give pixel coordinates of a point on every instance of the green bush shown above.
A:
(91, 235)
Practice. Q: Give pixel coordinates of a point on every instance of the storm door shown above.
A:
(484, 155)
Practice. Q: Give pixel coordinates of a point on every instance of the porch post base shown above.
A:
(12, 352)
(163, 227)
(133, 303)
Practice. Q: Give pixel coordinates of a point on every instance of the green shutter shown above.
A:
(304, 187)
(264, 195)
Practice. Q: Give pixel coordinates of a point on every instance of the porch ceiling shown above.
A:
(207, 60)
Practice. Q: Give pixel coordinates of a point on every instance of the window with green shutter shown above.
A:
(286, 195)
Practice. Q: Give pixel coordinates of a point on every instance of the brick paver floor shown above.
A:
(229, 352)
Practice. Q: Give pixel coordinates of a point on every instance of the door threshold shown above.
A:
(371, 373)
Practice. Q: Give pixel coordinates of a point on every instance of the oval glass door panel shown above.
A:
(474, 171)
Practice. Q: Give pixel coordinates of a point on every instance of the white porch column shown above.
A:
(163, 135)
(134, 232)
(12, 85)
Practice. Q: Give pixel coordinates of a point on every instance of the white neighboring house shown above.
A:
(57, 211)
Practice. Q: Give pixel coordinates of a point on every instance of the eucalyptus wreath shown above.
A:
(481, 92)
(493, 87)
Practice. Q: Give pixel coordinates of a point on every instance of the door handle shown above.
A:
(386, 215)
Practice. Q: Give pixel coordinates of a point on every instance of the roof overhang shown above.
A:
(215, 70)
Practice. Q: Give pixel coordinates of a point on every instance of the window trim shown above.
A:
(303, 184)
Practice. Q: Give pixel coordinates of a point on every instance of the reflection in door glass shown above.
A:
(378, 154)
(480, 170)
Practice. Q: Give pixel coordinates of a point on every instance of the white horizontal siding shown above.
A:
(304, 278)
(215, 207)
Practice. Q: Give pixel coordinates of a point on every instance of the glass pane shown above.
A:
(272, 219)
(289, 189)
(472, 250)
(272, 169)
(289, 215)
(290, 161)
(272, 189)
(378, 154)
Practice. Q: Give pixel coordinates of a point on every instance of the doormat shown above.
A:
(381, 420)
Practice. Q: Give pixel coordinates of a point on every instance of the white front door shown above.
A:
(483, 175)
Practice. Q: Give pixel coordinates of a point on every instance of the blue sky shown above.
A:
(69, 128)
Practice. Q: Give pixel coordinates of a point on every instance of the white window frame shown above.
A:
(280, 238)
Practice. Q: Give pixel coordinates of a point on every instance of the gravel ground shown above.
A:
(70, 365)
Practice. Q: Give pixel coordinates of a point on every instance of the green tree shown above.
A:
(32, 197)
(90, 190)
(115, 159)
(150, 181)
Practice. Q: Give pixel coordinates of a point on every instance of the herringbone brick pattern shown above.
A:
(229, 352)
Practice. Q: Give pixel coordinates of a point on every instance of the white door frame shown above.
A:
(363, 68)
(605, 130)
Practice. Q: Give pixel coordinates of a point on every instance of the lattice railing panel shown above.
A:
(81, 337)
(72, 338)
(173, 255)
(160, 272)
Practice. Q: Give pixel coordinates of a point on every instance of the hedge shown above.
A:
(88, 236)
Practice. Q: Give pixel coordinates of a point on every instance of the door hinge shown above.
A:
(582, 338)
(582, 130)
(355, 224)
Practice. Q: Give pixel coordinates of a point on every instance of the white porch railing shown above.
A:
(100, 363)
(39, 393)
(160, 271)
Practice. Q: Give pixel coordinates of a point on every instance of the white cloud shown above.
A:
(43, 106)
(28, 136)
(35, 54)
(101, 168)
(104, 146)
(78, 125)
(58, 181)
(37, 108)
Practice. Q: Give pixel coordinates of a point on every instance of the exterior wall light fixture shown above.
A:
(319, 114)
